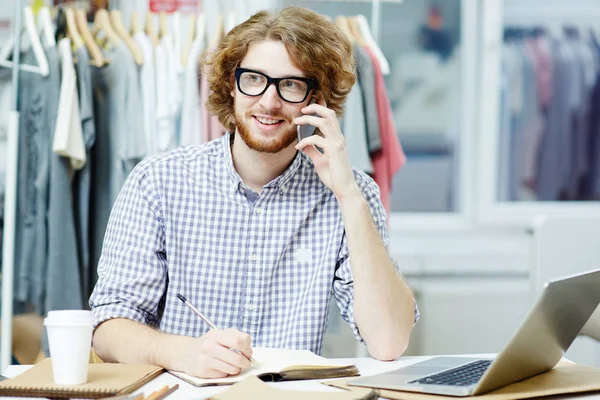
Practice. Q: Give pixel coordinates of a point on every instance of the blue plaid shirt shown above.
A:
(265, 264)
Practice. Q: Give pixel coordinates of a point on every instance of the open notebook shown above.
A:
(281, 365)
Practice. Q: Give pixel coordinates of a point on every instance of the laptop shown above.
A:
(553, 323)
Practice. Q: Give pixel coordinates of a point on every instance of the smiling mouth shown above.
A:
(268, 121)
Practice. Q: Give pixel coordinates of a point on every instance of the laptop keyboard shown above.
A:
(465, 375)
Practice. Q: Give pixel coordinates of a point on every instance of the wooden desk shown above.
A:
(367, 366)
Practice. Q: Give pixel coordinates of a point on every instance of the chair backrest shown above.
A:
(563, 246)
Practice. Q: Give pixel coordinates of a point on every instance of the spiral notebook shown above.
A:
(281, 365)
(104, 380)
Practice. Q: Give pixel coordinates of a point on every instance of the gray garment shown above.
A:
(354, 129)
(366, 80)
(120, 140)
(554, 153)
(36, 123)
(63, 282)
(82, 180)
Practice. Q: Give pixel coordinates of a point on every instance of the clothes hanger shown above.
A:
(219, 32)
(103, 27)
(342, 23)
(72, 31)
(191, 37)
(356, 32)
(162, 24)
(29, 27)
(149, 28)
(200, 33)
(88, 39)
(136, 26)
(176, 32)
(45, 26)
(117, 23)
(368, 36)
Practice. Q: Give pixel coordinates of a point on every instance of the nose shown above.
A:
(270, 99)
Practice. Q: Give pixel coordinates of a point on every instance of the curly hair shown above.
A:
(314, 43)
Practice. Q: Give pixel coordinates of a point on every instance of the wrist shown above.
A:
(350, 195)
(165, 349)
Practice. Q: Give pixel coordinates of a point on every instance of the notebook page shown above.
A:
(270, 360)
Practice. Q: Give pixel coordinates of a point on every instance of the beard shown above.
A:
(265, 145)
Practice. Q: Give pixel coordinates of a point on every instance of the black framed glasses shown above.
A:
(291, 89)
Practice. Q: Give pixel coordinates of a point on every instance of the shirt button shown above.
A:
(251, 306)
(254, 257)
(283, 188)
(258, 210)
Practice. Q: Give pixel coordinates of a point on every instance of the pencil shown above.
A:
(213, 326)
(162, 393)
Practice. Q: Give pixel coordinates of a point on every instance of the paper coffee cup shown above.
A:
(70, 340)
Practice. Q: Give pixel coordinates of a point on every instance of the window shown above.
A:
(540, 126)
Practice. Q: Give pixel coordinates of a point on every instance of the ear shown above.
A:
(233, 85)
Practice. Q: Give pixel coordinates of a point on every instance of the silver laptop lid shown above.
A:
(551, 326)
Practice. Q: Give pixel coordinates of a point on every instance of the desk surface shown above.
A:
(367, 366)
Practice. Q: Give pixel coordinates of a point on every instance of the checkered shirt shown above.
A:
(183, 223)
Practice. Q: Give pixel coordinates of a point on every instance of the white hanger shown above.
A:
(368, 36)
(45, 26)
(201, 28)
(38, 51)
(176, 32)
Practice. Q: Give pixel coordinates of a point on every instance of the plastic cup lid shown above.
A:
(69, 317)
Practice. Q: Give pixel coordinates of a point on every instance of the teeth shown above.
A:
(267, 121)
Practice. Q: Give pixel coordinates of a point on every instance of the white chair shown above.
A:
(563, 246)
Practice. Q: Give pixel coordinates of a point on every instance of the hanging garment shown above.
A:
(191, 116)
(554, 152)
(82, 180)
(354, 130)
(38, 106)
(366, 80)
(211, 127)
(148, 88)
(63, 280)
(165, 118)
(391, 157)
(174, 82)
(5, 93)
(120, 140)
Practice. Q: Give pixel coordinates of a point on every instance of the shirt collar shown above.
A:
(281, 182)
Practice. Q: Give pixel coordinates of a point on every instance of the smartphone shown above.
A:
(308, 130)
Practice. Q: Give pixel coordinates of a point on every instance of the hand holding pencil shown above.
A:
(218, 353)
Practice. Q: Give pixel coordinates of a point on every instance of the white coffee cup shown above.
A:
(70, 340)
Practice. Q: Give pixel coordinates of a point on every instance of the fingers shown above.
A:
(320, 108)
(227, 355)
(235, 339)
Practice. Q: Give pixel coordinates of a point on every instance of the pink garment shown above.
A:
(211, 127)
(391, 157)
(540, 47)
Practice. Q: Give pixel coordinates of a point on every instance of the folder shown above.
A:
(253, 388)
(104, 380)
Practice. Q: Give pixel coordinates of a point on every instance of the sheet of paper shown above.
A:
(270, 360)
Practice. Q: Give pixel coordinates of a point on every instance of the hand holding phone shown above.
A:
(307, 130)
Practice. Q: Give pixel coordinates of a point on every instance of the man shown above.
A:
(255, 229)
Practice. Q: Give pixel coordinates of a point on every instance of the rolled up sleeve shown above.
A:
(343, 284)
(132, 271)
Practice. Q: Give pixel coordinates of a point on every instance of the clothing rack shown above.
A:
(10, 201)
